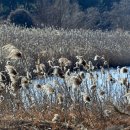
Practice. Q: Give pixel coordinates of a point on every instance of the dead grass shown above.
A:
(42, 120)
(24, 106)
(115, 45)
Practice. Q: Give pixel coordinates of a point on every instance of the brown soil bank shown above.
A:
(115, 45)
(114, 124)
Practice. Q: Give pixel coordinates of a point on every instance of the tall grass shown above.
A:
(92, 100)
(115, 45)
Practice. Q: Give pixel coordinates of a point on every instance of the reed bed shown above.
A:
(115, 45)
(61, 79)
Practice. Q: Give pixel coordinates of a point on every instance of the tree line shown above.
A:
(87, 14)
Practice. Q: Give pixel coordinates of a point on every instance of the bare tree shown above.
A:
(120, 15)
(92, 18)
(60, 13)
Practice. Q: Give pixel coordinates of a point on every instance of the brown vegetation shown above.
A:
(61, 98)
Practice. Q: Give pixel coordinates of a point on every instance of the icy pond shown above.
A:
(114, 89)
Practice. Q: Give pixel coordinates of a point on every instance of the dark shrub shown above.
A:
(21, 17)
